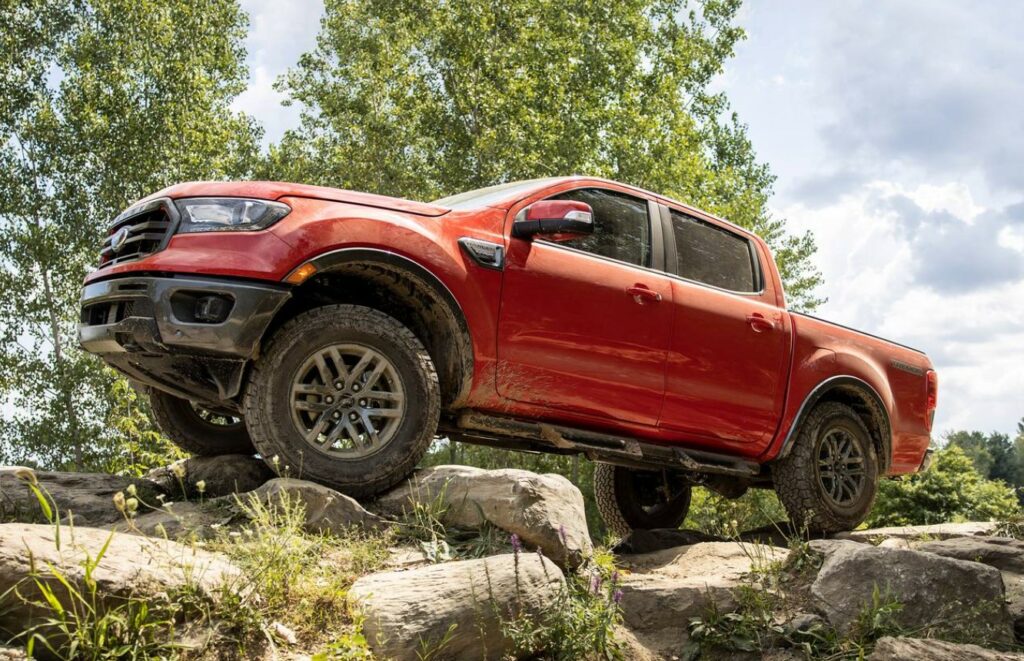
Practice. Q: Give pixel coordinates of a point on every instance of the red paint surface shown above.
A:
(565, 336)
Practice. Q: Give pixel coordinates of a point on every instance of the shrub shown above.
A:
(951, 490)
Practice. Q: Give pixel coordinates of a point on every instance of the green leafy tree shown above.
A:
(101, 103)
(951, 490)
(423, 99)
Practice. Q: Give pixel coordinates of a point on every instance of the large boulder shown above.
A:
(1005, 554)
(222, 475)
(454, 610)
(326, 510)
(544, 511)
(900, 649)
(935, 591)
(131, 566)
(663, 590)
(932, 532)
(87, 498)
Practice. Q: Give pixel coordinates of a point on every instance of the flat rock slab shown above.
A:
(664, 589)
(132, 566)
(454, 608)
(933, 590)
(544, 511)
(222, 475)
(89, 497)
(933, 532)
(901, 649)
(650, 541)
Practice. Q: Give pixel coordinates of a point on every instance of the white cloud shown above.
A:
(279, 33)
(975, 337)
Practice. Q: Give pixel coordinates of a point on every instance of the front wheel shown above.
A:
(630, 499)
(828, 482)
(346, 396)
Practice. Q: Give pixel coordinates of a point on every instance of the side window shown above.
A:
(713, 256)
(621, 225)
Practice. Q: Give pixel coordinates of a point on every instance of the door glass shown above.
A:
(621, 227)
(713, 256)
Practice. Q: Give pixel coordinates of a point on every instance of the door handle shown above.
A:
(759, 323)
(641, 293)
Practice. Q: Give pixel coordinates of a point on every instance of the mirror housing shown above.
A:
(555, 219)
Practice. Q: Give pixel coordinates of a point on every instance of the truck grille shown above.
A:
(139, 231)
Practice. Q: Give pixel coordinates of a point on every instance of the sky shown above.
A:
(896, 131)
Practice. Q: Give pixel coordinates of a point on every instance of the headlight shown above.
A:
(228, 214)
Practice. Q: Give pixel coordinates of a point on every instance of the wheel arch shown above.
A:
(402, 288)
(859, 395)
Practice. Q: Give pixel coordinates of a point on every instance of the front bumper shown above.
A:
(147, 328)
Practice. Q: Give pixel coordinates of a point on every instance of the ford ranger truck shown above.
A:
(339, 333)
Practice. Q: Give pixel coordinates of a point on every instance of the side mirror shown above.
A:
(556, 219)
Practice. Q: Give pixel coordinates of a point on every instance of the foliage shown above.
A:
(423, 100)
(951, 490)
(994, 455)
(103, 102)
(579, 624)
(717, 515)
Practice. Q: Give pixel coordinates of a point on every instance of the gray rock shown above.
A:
(1005, 554)
(663, 590)
(937, 531)
(455, 608)
(1000, 552)
(649, 541)
(900, 649)
(182, 520)
(221, 476)
(132, 566)
(544, 511)
(805, 622)
(12, 654)
(326, 510)
(932, 588)
(87, 497)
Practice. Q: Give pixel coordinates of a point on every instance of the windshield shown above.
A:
(482, 197)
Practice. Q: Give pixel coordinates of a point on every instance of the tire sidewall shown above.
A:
(822, 513)
(269, 396)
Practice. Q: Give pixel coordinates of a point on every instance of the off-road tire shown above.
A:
(269, 416)
(620, 507)
(181, 423)
(796, 476)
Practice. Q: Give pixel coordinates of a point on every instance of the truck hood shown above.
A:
(274, 190)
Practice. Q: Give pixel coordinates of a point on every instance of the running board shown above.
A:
(506, 432)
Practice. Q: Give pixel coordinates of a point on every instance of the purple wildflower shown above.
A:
(617, 596)
(517, 545)
(595, 583)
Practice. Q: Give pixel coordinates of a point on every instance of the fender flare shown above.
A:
(843, 382)
(335, 259)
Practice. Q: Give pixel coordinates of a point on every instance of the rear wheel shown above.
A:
(344, 395)
(828, 482)
(630, 499)
(199, 430)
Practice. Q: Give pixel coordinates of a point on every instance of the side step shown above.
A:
(486, 429)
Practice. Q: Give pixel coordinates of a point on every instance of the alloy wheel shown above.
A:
(347, 400)
(841, 467)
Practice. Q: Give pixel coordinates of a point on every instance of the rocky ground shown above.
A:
(219, 557)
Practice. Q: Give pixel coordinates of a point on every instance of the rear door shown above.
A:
(729, 353)
(584, 324)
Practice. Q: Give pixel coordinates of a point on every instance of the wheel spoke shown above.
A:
(360, 367)
(311, 389)
(313, 434)
(305, 405)
(393, 397)
(371, 380)
(370, 429)
(333, 437)
(384, 412)
(322, 369)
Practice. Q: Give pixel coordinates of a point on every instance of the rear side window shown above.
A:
(714, 256)
(621, 227)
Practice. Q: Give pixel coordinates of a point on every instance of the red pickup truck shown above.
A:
(339, 333)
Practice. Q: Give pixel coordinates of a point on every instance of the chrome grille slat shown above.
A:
(147, 227)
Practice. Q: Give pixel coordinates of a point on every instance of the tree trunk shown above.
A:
(58, 357)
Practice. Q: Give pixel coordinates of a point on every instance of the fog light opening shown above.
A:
(212, 309)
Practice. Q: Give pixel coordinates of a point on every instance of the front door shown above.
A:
(584, 324)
